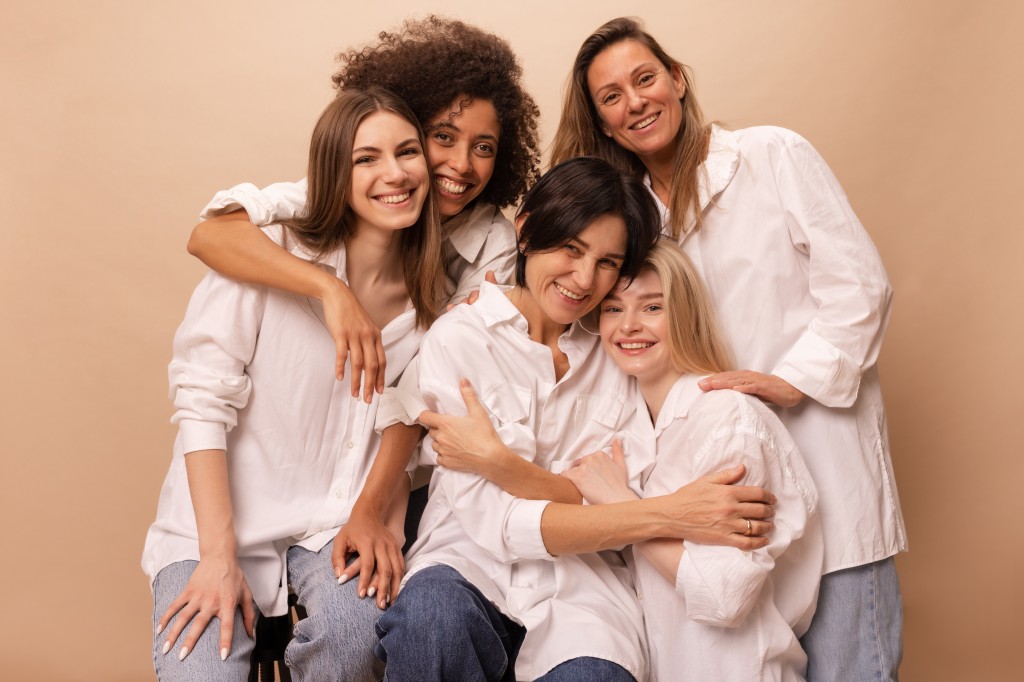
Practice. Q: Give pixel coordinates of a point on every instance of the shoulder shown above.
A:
(774, 145)
(726, 413)
(462, 326)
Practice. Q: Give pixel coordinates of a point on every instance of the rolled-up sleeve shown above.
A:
(272, 204)
(213, 345)
(847, 281)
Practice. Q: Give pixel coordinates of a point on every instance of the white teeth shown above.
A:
(644, 123)
(451, 187)
(568, 294)
(394, 198)
(634, 346)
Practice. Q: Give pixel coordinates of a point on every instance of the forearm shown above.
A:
(664, 554)
(526, 480)
(207, 473)
(387, 480)
(576, 529)
(236, 248)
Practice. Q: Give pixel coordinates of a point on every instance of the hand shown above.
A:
(767, 387)
(474, 295)
(356, 338)
(380, 564)
(712, 511)
(467, 443)
(216, 588)
(602, 478)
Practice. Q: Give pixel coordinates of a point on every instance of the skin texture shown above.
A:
(462, 144)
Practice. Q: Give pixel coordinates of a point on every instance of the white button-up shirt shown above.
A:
(571, 606)
(731, 615)
(251, 375)
(800, 292)
(478, 239)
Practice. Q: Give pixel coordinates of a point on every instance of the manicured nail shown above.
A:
(224, 654)
(159, 629)
(167, 647)
(342, 579)
(372, 591)
(183, 653)
(362, 593)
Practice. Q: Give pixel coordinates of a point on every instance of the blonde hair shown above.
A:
(579, 129)
(695, 343)
(328, 218)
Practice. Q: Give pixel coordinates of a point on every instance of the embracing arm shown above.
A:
(236, 248)
(217, 586)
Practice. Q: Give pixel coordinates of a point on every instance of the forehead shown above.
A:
(646, 285)
(619, 60)
(382, 128)
(477, 116)
(607, 233)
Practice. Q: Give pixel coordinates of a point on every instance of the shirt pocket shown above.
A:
(593, 420)
(508, 403)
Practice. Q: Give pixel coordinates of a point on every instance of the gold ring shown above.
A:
(750, 527)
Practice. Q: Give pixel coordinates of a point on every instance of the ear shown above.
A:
(520, 219)
(677, 80)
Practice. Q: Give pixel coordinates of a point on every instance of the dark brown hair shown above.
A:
(328, 218)
(579, 130)
(430, 63)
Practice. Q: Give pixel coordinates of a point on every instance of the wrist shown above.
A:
(328, 286)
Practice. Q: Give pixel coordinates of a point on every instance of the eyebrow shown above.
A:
(400, 145)
(449, 125)
(585, 245)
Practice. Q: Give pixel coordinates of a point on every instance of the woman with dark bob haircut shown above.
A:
(803, 299)
(503, 583)
(463, 85)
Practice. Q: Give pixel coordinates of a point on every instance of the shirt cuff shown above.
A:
(244, 196)
(820, 370)
(522, 529)
(200, 435)
(397, 406)
(720, 586)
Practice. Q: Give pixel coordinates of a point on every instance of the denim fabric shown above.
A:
(334, 642)
(587, 669)
(336, 639)
(857, 629)
(441, 628)
(203, 663)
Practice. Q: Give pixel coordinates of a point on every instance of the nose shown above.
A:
(630, 321)
(635, 101)
(459, 160)
(586, 268)
(395, 173)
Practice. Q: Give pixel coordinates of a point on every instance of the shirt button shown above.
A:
(338, 493)
(349, 445)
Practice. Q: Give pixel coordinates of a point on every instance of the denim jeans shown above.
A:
(442, 628)
(334, 642)
(587, 669)
(856, 633)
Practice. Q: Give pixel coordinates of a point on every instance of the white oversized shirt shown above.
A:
(800, 292)
(251, 375)
(573, 605)
(478, 239)
(731, 615)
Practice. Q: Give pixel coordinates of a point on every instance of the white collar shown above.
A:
(464, 230)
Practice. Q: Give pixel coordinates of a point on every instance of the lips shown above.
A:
(643, 123)
(572, 296)
(395, 198)
(634, 345)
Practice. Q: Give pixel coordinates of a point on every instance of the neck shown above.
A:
(372, 256)
(541, 328)
(659, 166)
(655, 388)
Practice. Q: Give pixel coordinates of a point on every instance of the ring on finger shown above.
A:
(750, 527)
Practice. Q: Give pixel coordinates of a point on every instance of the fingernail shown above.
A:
(362, 593)
(167, 647)
(342, 579)
(224, 654)
(159, 629)
(183, 653)
(372, 591)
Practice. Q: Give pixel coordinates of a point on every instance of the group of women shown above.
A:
(680, 331)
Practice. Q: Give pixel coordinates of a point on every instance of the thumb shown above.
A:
(489, 277)
(726, 476)
(618, 454)
(429, 419)
(473, 405)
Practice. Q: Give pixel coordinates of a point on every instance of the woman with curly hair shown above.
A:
(463, 85)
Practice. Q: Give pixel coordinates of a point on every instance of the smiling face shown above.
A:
(462, 143)
(635, 330)
(637, 99)
(389, 173)
(566, 283)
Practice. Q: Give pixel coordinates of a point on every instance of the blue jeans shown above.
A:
(856, 633)
(334, 642)
(587, 669)
(442, 628)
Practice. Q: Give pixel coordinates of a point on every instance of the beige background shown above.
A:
(119, 119)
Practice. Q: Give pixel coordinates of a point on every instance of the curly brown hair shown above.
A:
(431, 62)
